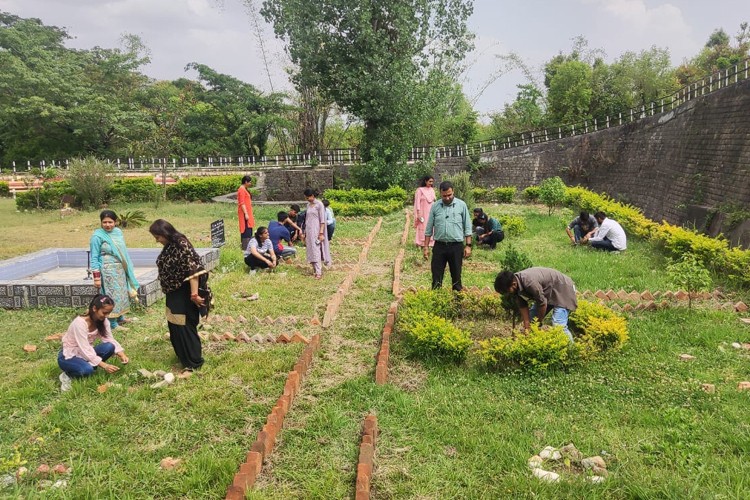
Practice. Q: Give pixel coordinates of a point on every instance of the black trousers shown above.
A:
(447, 253)
(492, 240)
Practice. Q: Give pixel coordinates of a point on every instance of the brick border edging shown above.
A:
(366, 460)
(263, 445)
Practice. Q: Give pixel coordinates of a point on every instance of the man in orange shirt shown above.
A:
(245, 211)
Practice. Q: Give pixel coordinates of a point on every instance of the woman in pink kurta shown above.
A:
(423, 200)
(316, 235)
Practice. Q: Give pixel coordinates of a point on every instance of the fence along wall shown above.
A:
(695, 154)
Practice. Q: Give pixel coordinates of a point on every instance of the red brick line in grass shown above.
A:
(263, 445)
(397, 273)
(405, 234)
(335, 301)
(384, 353)
(366, 461)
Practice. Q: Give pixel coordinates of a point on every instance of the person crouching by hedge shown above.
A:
(259, 253)
(180, 273)
(547, 288)
(488, 230)
(79, 357)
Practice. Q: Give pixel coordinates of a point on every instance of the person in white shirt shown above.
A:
(610, 236)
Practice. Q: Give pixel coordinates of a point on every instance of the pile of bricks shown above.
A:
(263, 445)
(366, 460)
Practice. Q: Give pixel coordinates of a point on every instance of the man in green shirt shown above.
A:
(449, 224)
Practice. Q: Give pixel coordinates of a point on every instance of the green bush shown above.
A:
(358, 195)
(552, 193)
(440, 302)
(513, 225)
(49, 197)
(480, 194)
(514, 261)
(537, 350)
(433, 336)
(366, 208)
(600, 329)
(504, 194)
(203, 188)
(136, 189)
(531, 193)
(4, 190)
(462, 188)
(90, 179)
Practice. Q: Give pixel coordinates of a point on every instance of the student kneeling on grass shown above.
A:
(259, 253)
(79, 357)
(547, 288)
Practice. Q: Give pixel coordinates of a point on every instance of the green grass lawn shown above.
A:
(447, 431)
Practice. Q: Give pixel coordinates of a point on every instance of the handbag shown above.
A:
(204, 292)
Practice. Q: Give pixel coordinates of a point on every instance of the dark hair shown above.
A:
(584, 215)
(600, 215)
(503, 281)
(98, 302)
(310, 192)
(108, 214)
(325, 202)
(478, 210)
(246, 178)
(261, 229)
(282, 216)
(160, 227)
(446, 185)
(423, 180)
(294, 207)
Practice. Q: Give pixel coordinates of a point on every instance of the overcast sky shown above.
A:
(221, 34)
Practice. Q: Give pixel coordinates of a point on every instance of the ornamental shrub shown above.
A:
(440, 302)
(134, 189)
(358, 195)
(462, 188)
(480, 194)
(690, 275)
(4, 190)
(538, 349)
(203, 188)
(90, 179)
(366, 208)
(513, 225)
(48, 197)
(504, 194)
(433, 336)
(598, 328)
(552, 193)
(531, 194)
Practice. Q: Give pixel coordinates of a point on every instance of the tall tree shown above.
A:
(369, 58)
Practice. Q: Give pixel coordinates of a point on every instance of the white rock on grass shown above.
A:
(169, 378)
(545, 475)
(736, 345)
(60, 483)
(595, 479)
(547, 452)
(7, 481)
(591, 462)
(535, 462)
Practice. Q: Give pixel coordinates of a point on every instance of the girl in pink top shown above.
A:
(79, 357)
(423, 200)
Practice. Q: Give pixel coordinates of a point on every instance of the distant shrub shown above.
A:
(136, 189)
(203, 188)
(537, 350)
(48, 197)
(4, 190)
(513, 225)
(90, 179)
(358, 195)
(462, 188)
(480, 194)
(552, 193)
(531, 193)
(366, 208)
(504, 194)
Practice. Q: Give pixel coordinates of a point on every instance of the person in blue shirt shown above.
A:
(449, 224)
(278, 233)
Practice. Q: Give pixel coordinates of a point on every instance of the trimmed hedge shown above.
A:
(357, 195)
(365, 208)
(203, 188)
(49, 197)
(4, 190)
(135, 189)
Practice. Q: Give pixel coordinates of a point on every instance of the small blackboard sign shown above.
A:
(217, 233)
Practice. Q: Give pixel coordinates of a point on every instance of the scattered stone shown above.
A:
(736, 345)
(546, 453)
(56, 336)
(254, 296)
(29, 348)
(743, 386)
(595, 479)
(686, 357)
(43, 469)
(591, 462)
(169, 378)
(45, 483)
(535, 462)
(170, 463)
(709, 388)
(60, 469)
(7, 481)
(159, 373)
(570, 451)
(185, 374)
(600, 471)
(545, 475)
(102, 388)
(740, 307)
(145, 373)
(21, 472)
(745, 320)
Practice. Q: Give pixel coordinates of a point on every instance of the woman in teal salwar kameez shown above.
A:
(109, 255)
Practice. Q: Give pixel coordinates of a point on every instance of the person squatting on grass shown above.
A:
(259, 253)
(582, 226)
(488, 230)
(547, 288)
(449, 225)
(278, 232)
(180, 274)
(610, 236)
(78, 356)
